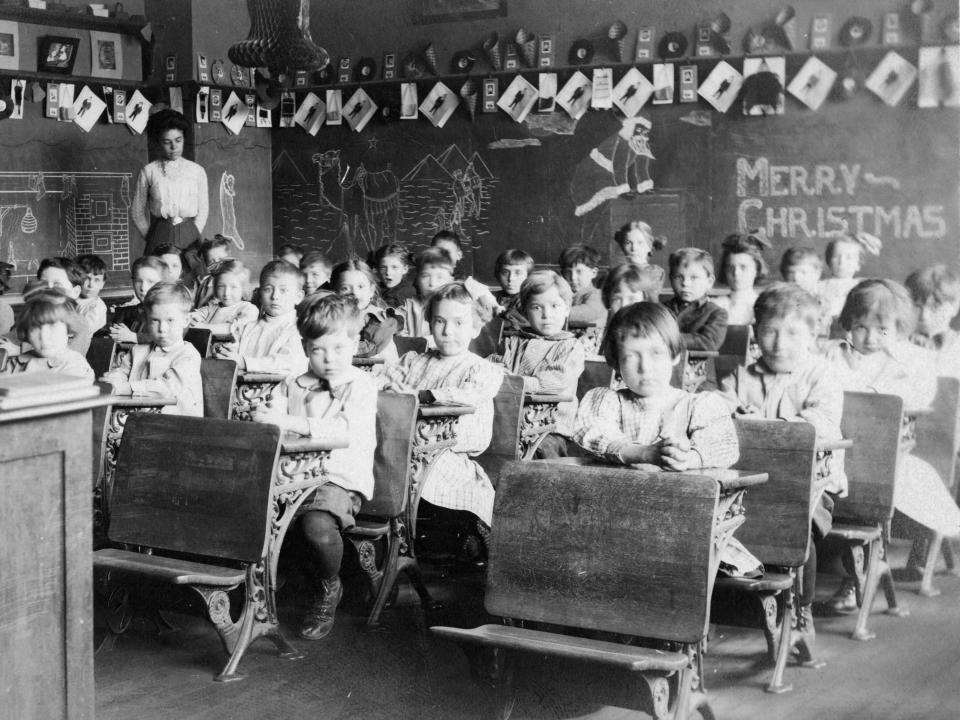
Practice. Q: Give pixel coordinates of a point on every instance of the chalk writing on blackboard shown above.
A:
(827, 199)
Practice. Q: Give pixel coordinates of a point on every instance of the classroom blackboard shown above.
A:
(504, 184)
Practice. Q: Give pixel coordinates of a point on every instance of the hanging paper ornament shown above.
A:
(939, 86)
(581, 52)
(439, 105)
(763, 85)
(813, 83)
(470, 93)
(719, 27)
(721, 86)
(672, 45)
(617, 32)
(774, 36)
(491, 47)
(359, 109)
(235, 111)
(855, 31)
(408, 101)
(574, 96)
(430, 57)
(28, 223)
(462, 62)
(311, 114)
(527, 44)
(891, 79)
(518, 98)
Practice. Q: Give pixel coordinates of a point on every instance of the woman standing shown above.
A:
(170, 203)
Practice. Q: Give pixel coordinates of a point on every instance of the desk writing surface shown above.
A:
(730, 480)
(432, 410)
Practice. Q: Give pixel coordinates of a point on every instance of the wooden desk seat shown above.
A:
(647, 573)
(382, 517)
(202, 488)
(219, 378)
(735, 350)
(861, 520)
(407, 344)
(504, 444)
(777, 529)
(201, 339)
(596, 373)
(99, 355)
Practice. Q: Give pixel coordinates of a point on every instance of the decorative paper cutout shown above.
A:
(234, 115)
(18, 92)
(602, 98)
(632, 92)
(518, 98)
(87, 108)
(408, 101)
(813, 83)
(547, 87)
(939, 77)
(574, 96)
(663, 83)
(203, 105)
(311, 114)
(439, 104)
(138, 112)
(334, 107)
(763, 81)
(891, 79)
(359, 109)
(721, 86)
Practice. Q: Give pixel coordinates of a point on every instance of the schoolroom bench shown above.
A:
(208, 502)
(590, 548)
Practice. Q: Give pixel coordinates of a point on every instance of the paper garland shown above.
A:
(721, 87)
(574, 96)
(138, 112)
(632, 92)
(311, 113)
(87, 108)
(518, 99)
(891, 79)
(234, 113)
(439, 104)
(813, 83)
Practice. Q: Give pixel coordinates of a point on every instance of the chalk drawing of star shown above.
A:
(372, 143)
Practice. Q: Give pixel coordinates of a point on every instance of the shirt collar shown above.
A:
(310, 381)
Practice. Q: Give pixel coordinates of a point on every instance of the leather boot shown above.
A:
(318, 622)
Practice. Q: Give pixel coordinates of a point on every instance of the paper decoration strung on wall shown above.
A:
(491, 47)
(216, 103)
(9, 45)
(264, 117)
(52, 109)
(18, 93)
(526, 42)
(87, 108)
(334, 107)
(891, 79)
(470, 94)
(939, 81)
(688, 83)
(108, 99)
(311, 114)
(617, 32)
(644, 49)
(203, 72)
(547, 87)
(602, 98)
(721, 86)
(546, 51)
(408, 101)
(632, 92)
(359, 109)
(813, 83)
(288, 108)
(176, 99)
(574, 96)
(203, 105)
(389, 65)
(491, 91)
(234, 115)
(66, 112)
(763, 80)
(138, 112)
(820, 32)
(518, 98)
(250, 100)
(439, 104)
(663, 83)
(119, 111)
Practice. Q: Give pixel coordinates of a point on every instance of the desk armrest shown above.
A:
(298, 444)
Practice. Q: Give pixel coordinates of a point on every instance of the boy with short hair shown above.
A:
(332, 399)
(128, 322)
(392, 263)
(166, 365)
(703, 324)
(791, 382)
(549, 358)
(272, 344)
(511, 268)
(802, 266)
(433, 268)
(580, 265)
(316, 268)
(93, 309)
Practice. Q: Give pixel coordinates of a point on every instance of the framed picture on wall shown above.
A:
(9, 45)
(433, 11)
(106, 55)
(57, 54)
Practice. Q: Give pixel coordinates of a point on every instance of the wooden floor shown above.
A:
(911, 670)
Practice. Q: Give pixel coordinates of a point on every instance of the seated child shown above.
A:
(876, 356)
(292, 254)
(802, 266)
(433, 268)
(166, 365)
(332, 399)
(511, 269)
(66, 275)
(43, 324)
(93, 309)
(844, 256)
(936, 294)
(354, 277)
(790, 382)
(579, 265)
(451, 373)
(272, 343)
(6, 312)
(392, 263)
(227, 311)
(549, 358)
(212, 252)
(128, 323)
(741, 268)
(172, 258)
(703, 325)
(627, 284)
(316, 269)
(450, 242)
(637, 242)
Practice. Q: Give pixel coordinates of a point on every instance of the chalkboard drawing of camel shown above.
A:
(378, 204)
(228, 211)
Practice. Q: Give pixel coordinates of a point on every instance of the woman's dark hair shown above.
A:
(166, 120)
